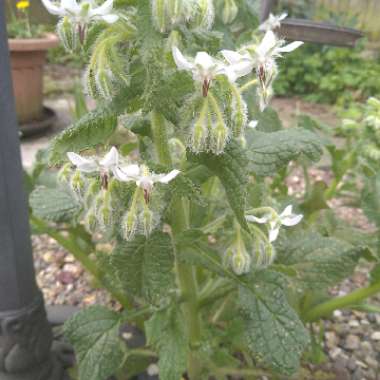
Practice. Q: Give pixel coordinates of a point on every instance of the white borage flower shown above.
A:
(82, 12)
(104, 166)
(272, 22)
(275, 221)
(239, 64)
(205, 68)
(143, 178)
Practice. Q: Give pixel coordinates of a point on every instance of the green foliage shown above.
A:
(319, 262)
(53, 204)
(230, 167)
(270, 152)
(371, 199)
(272, 326)
(329, 75)
(165, 331)
(94, 333)
(144, 266)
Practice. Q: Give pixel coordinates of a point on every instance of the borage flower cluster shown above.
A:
(95, 182)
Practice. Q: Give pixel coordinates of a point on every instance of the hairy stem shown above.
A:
(90, 266)
(185, 273)
(326, 308)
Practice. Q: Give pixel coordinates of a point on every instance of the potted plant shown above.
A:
(28, 45)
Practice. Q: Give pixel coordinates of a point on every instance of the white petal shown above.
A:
(287, 211)
(204, 60)
(291, 220)
(253, 124)
(254, 219)
(282, 16)
(232, 56)
(168, 177)
(267, 44)
(103, 10)
(53, 9)
(238, 70)
(86, 165)
(70, 5)
(110, 19)
(180, 60)
(127, 173)
(290, 47)
(110, 159)
(273, 234)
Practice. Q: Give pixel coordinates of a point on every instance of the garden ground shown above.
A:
(352, 338)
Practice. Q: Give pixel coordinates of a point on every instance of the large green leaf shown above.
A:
(166, 332)
(231, 169)
(54, 205)
(371, 199)
(90, 130)
(94, 333)
(144, 266)
(318, 261)
(269, 152)
(273, 330)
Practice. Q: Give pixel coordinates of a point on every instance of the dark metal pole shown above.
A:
(266, 8)
(25, 334)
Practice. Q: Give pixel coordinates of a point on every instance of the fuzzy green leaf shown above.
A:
(54, 205)
(92, 129)
(166, 332)
(319, 261)
(94, 333)
(144, 266)
(269, 152)
(371, 199)
(231, 169)
(273, 331)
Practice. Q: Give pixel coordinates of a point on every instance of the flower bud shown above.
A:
(230, 11)
(68, 34)
(160, 18)
(90, 221)
(218, 138)
(241, 263)
(77, 183)
(147, 221)
(174, 9)
(104, 81)
(174, 39)
(129, 224)
(264, 254)
(239, 115)
(205, 14)
(64, 174)
(199, 137)
(91, 192)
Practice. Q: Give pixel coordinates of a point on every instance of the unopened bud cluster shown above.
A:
(167, 14)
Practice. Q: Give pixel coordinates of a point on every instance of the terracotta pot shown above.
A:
(28, 57)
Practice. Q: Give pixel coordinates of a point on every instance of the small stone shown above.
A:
(372, 363)
(375, 335)
(351, 365)
(335, 353)
(366, 347)
(354, 323)
(352, 342)
(372, 317)
(337, 314)
(331, 339)
(358, 374)
(361, 364)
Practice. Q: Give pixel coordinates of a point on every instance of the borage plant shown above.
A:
(187, 234)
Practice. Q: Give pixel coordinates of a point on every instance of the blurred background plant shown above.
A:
(19, 24)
